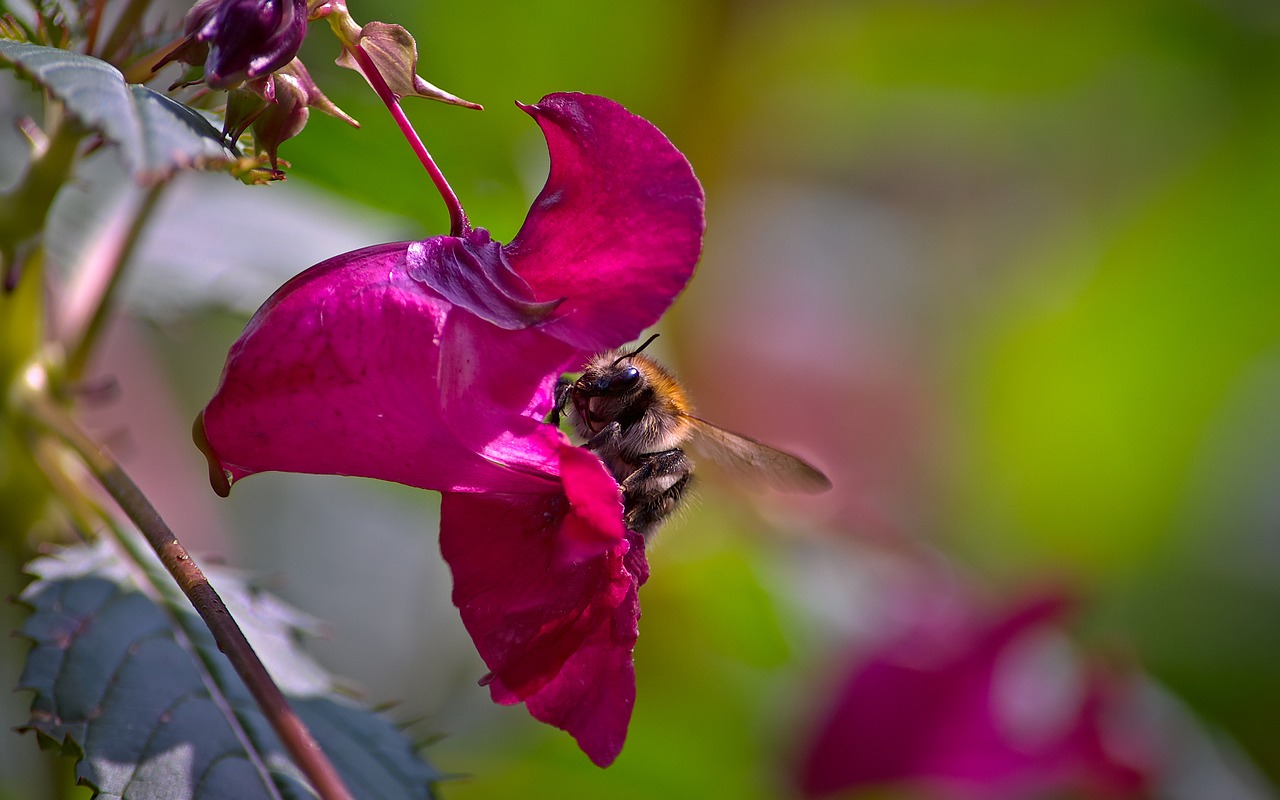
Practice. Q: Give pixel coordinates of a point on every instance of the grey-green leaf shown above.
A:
(132, 683)
(156, 135)
(173, 137)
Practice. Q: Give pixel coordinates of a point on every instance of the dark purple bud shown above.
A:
(250, 38)
(199, 15)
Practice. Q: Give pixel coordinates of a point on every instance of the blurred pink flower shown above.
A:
(433, 364)
(971, 713)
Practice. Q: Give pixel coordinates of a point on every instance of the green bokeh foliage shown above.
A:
(1094, 186)
(1111, 172)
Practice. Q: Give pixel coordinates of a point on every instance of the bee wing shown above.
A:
(758, 463)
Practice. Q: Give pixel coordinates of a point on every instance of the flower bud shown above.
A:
(247, 38)
(290, 94)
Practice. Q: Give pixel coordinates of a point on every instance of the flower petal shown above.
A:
(618, 227)
(339, 373)
(497, 386)
(555, 621)
(594, 694)
(471, 272)
(596, 522)
(932, 718)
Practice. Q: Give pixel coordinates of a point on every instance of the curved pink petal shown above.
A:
(555, 622)
(339, 373)
(595, 523)
(618, 227)
(472, 272)
(594, 693)
(496, 388)
(433, 364)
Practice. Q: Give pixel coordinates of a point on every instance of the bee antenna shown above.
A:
(638, 350)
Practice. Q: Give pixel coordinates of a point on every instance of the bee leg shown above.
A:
(651, 493)
(561, 397)
(605, 436)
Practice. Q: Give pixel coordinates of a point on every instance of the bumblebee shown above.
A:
(633, 413)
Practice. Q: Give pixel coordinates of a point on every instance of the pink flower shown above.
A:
(970, 712)
(433, 364)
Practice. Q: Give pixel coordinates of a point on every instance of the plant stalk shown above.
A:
(293, 733)
(458, 224)
(128, 25)
(24, 208)
(91, 307)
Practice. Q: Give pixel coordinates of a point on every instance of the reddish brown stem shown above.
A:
(293, 733)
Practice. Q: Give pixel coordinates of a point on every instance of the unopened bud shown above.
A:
(247, 38)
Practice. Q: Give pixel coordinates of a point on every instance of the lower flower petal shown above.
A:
(554, 620)
(593, 694)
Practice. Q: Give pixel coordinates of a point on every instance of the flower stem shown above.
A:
(95, 22)
(293, 733)
(127, 27)
(458, 224)
(92, 296)
(25, 207)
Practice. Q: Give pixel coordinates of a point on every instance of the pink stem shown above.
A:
(458, 224)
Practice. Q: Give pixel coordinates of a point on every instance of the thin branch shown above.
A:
(125, 32)
(151, 582)
(96, 9)
(25, 206)
(92, 297)
(85, 514)
(458, 224)
(293, 733)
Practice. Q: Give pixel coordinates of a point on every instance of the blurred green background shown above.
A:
(1008, 271)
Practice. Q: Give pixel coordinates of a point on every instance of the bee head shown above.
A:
(613, 374)
(616, 385)
(616, 382)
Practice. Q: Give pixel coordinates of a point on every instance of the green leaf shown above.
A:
(156, 135)
(128, 679)
(174, 136)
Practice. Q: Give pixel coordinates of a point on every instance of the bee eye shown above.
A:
(619, 382)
